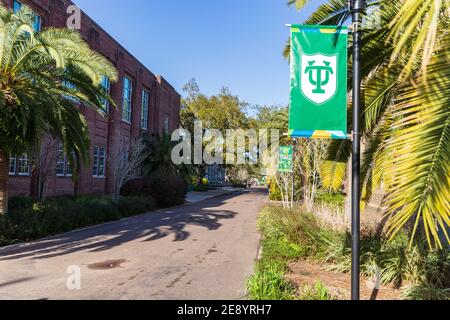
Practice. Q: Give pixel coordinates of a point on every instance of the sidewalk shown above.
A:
(193, 197)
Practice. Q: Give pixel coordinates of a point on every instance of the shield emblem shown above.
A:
(318, 77)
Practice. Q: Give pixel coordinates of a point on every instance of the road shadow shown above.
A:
(146, 228)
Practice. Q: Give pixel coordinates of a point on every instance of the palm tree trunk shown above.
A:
(4, 175)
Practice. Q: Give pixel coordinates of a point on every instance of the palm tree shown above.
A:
(42, 75)
(406, 117)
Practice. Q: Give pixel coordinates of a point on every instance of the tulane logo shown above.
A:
(318, 77)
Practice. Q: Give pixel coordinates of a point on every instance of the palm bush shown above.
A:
(294, 234)
(43, 77)
(406, 118)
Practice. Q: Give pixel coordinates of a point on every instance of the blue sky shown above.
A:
(232, 43)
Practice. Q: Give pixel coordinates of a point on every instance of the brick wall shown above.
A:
(106, 131)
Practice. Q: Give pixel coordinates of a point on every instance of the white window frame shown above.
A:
(166, 123)
(23, 158)
(12, 173)
(106, 84)
(127, 99)
(60, 161)
(99, 162)
(145, 109)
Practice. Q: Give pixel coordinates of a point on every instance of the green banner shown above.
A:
(318, 99)
(285, 163)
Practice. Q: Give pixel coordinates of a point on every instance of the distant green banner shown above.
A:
(318, 99)
(285, 163)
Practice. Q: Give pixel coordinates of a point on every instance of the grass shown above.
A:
(316, 292)
(269, 283)
(293, 234)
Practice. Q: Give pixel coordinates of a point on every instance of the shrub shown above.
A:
(20, 203)
(129, 206)
(268, 283)
(168, 190)
(289, 234)
(136, 187)
(28, 221)
(331, 198)
(200, 188)
(317, 292)
(274, 191)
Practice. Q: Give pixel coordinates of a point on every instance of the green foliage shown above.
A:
(26, 220)
(200, 188)
(316, 292)
(167, 190)
(268, 283)
(136, 187)
(158, 150)
(291, 234)
(426, 291)
(406, 119)
(331, 199)
(129, 206)
(33, 98)
(274, 191)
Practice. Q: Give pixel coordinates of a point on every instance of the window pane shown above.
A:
(145, 107)
(17, 6)
(101, 163)
(166, 123)
(12, 166)
(106, 84)
(127, 95)
(37, 18)
(37, 23)
(24, 166)
(95, 162)
(60, 161)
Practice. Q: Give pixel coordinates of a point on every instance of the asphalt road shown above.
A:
(204, 250)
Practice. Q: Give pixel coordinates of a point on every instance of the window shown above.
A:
(69, 167)
(106, 84)
(23, 168)
(69, 86)
(166, 123)
(99, 162)
(127, 95)
(17, 6)
(37, 18)
(60, 162)
(37, 22)
(12, 166)
(145, 106)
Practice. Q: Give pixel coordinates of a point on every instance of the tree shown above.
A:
(43, 75)
(44, 163)
(221, 112)
(126, 164)
(406, 118)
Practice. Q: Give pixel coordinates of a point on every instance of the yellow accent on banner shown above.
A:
(320, 134)
(328, 30)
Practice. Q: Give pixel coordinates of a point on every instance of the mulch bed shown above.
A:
(309, 273)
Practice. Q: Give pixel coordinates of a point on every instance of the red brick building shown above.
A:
(145, 102)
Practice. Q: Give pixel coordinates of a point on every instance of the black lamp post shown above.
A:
(356, 7)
